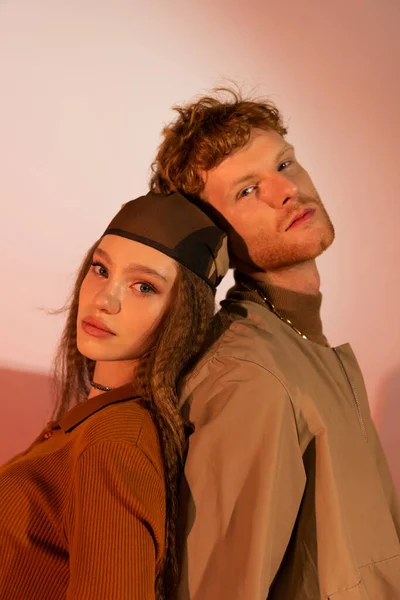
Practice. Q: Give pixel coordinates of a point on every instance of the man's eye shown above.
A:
(247, 191)
(99, 269)
(284, 165)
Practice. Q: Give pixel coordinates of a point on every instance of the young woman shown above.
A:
(88, 511)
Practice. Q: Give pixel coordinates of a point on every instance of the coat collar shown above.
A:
(85, 409)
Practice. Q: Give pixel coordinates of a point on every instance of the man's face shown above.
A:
(275, 216)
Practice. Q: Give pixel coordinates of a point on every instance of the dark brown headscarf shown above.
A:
(176, 227)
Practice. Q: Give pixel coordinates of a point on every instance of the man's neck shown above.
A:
(293, 294)
(303, 278)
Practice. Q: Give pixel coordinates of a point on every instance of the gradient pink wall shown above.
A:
(86, 88)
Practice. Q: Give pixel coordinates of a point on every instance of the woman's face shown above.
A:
(122, 299)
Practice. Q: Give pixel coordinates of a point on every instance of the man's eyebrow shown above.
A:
(133, 267)
(243, 179)
(285, 149)
(254, 175)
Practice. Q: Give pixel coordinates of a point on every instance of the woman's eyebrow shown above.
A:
(104, 254)
(133, 267)
(146, 270)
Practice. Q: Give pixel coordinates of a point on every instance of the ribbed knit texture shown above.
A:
(303, 310)
(82, 511)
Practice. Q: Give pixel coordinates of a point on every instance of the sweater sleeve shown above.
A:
(244, 481)
(114, 524)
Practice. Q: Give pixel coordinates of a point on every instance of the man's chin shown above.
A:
(298, 256)
(321, 242)
(327, 240)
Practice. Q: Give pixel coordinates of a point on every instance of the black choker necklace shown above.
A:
(100, 387)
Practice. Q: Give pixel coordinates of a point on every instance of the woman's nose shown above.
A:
(108, 300)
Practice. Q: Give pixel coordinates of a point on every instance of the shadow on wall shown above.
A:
(387, 421)
(25, 408)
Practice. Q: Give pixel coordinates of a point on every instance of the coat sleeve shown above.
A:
(386, 478)
(114, 524)
(243, 485)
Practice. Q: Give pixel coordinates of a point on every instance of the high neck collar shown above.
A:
(303, 310)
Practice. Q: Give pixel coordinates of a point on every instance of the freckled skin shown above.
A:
(259, 209)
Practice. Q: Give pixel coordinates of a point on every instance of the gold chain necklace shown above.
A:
(272, 308)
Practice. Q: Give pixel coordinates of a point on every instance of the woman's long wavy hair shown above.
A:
(178, 340)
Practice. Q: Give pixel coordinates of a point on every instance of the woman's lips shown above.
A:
(96, 328)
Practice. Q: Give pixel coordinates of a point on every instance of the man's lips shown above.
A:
(96, 328)
(301, 217)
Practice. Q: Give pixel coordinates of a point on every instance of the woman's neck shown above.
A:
(112, 374)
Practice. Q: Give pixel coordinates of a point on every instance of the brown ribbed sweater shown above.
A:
(82, 510)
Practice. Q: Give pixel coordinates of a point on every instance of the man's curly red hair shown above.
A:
(204, 133)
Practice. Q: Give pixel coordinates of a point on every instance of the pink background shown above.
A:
(85, 89)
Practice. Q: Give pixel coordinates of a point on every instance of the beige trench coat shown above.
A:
(287, 493)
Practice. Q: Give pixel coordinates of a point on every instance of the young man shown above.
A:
(287, 491)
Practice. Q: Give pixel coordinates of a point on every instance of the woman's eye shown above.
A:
(99, 269)
(284, 165)
(144, 288)
(247, 191)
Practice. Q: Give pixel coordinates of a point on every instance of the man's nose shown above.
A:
(279, 191)
(108, 300)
